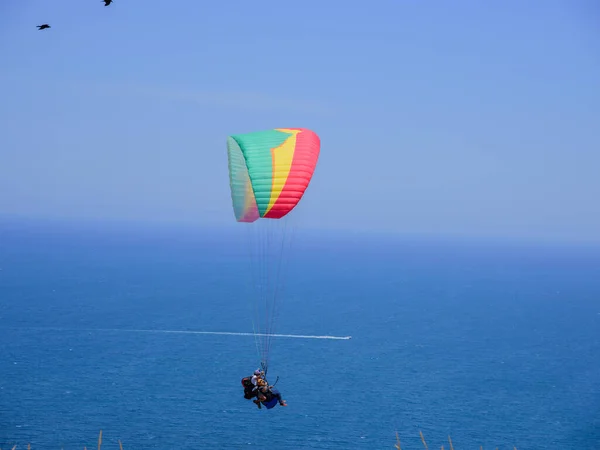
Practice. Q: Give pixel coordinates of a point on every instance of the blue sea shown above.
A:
(496, 344)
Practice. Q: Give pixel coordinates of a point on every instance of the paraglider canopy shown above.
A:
(269, 172)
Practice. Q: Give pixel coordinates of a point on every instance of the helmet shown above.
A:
(257, 372)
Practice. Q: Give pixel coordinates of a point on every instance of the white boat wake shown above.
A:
(231, 333)
(228, 333)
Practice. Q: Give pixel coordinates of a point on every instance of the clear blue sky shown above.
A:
(452, 117)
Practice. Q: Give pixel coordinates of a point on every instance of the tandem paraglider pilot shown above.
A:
(257, 386)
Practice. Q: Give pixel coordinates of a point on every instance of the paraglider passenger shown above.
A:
(266, 393)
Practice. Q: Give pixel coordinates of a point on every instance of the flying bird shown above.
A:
(43, 27)
(107, 2)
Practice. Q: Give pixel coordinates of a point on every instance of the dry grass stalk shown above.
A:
(396, 446)
(423, 440)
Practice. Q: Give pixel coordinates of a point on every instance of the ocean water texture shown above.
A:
(494, 344)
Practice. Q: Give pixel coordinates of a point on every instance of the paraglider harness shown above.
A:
(248, 388)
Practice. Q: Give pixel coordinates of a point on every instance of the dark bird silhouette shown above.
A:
(43, 27)
(107, 2)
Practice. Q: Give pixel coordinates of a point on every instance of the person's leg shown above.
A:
(277, 395)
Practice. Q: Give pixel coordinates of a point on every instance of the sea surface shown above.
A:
(494, 344)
